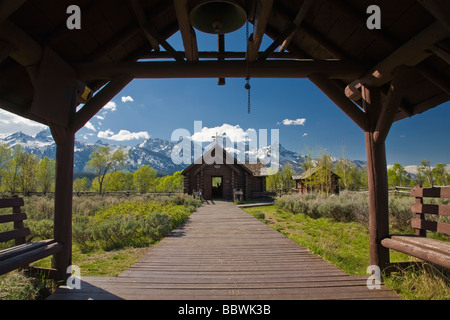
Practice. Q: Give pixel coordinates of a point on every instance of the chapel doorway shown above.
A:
(217, 187)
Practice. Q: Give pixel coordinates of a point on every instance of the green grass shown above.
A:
(346, 245)
(101, 263)
(100, 248)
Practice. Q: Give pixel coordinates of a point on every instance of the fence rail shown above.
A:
(126, 193)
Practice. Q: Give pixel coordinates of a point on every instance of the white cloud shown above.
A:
(110, 106)
(234, 133)
(100, 117)
(86, 136)
(305, 134)
(90, 126)
(123, 135)
(127, 99)
(11, 123)
(297, 122)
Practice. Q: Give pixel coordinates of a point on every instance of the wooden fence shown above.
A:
(126, 193)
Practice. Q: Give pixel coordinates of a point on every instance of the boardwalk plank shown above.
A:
(223, 253)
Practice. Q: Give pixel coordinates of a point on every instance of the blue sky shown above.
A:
(155, 108)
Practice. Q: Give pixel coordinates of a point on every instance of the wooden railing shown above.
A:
(419, 246)
(89, 193)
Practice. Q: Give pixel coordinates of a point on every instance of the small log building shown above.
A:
(224, 177)
(314, 180)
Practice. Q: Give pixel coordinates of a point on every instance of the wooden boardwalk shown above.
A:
(223, 253)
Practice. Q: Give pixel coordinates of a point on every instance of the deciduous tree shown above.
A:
(144, 179)
(102, 161)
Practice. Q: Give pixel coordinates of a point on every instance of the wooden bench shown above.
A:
(22, 253)
(419, 245)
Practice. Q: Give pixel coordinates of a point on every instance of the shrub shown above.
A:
(38, 208)
(156, 225)
(129, 223)
(347, 207)
(40, 229)
(116, 232)
(259, 215)
(400, 213)
(83, 234)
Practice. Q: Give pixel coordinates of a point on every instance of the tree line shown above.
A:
(23, 172)
(353, 177)
(26, 173)
(427, 176)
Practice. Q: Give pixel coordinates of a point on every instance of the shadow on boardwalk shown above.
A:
(223, 253)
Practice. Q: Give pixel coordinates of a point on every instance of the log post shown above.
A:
(65, 143)
(377, 179)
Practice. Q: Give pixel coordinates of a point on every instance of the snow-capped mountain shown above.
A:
(154, 152)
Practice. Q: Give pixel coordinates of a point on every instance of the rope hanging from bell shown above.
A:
(248, 87)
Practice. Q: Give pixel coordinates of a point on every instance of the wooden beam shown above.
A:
(26, 51)
(336, 95)
(323, 42)
(186, 30)
(423, 106)
(91, 108)
(359, 18)
(21, 111)
(316, 36)
(55, 93)
(263, 11)
(150, 28)
(65, 144)
(142, 19)
(220, 69)
(410, 54)
(8, 7)
(221, 50)
(276, 43)
(436, 78)
(391, 106)
(440, 9)
(301, 15)
(377, 181)
(293, 48)
(151, 33)
(224, 55)
(442, 50)
(115, 42)
(5, 50)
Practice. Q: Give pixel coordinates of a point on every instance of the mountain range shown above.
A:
(154, 152)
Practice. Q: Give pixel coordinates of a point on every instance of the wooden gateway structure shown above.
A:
(224, 177)
(60, 72)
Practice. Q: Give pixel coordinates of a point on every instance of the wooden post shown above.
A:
(65, 143)
(377, 179)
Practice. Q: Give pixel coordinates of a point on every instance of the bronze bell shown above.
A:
(218, 17)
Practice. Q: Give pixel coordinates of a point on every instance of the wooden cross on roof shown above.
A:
(217, 137)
